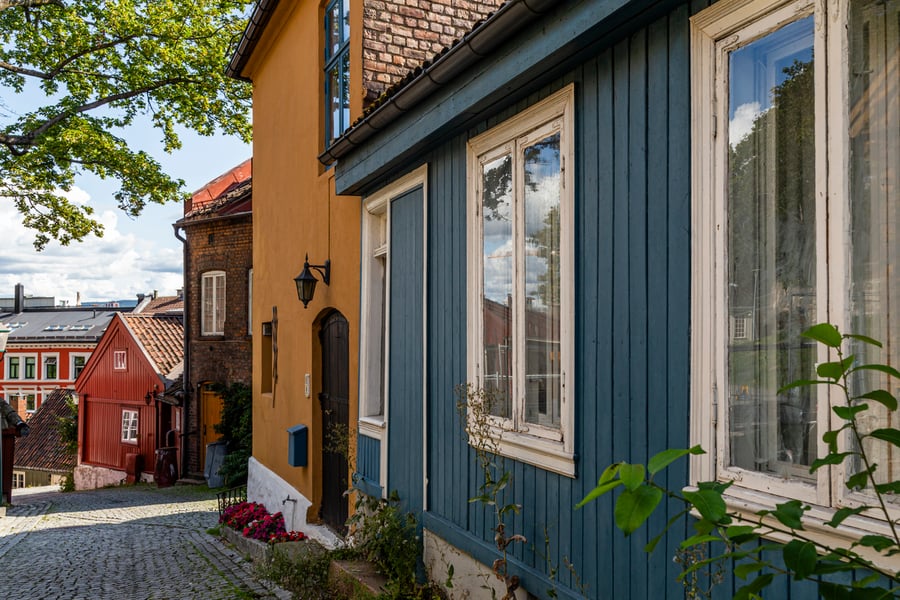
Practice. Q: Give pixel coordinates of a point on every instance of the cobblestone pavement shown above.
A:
(121, 544)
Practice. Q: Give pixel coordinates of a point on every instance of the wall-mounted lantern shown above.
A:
(306, 281)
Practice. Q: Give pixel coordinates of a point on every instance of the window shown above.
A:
(30, 402)
(120, 360)
(130, 426)
(212, 317)
(337, 69)
(18, 480)
(30, 367)
(250, 302)
(12, 367)
(50, 367)
(77, 366)
(520, 306)
(795, 218)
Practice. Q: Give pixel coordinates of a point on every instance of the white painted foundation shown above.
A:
(277, 495)
(89, 477)
(471, 579)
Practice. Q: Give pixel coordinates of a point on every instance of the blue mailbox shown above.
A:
(297, 442)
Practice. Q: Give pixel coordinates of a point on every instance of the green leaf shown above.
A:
(666, 457)
(709, 504)
(891, 487)
(830, 438)
(848, 413)
(633, 507)
(883, 397)
(880, 368)
(752, 589)
(860, 480)
(863, 338)
(696, 540)
(834, 370)
(748, 568)
(598, 491)
(789, 513)
(741, 534)
(651, 545)
(841, 515)
(887, 434)
(825, 333)
(800, 557)
(609, 473)
(829, 459)
(878, 542)
(632, 476)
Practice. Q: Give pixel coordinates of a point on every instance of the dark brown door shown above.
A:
(335, 402)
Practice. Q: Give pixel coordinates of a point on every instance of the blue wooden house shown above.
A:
(610, 217)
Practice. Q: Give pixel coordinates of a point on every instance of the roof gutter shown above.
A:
(256, 25)
(508, 20)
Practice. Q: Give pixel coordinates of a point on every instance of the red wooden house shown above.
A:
(130, 400)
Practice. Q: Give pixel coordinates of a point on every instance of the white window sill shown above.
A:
(746, 503)
(372, 427)
(537, 451)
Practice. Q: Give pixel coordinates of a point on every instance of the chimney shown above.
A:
(19, 301)
(154, 294)
(77, 298)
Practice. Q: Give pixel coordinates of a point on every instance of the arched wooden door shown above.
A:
(335, 402)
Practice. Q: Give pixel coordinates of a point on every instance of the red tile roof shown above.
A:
(219, 186)
(42, 449)
(161, 336)
(162, 305)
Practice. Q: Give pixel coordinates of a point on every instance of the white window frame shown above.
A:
(34, 398)
(120, 360)
(72, 356)
(130, 426)
(44, 358)
(547, 448)
(19, 365)
(24, 363)
(250, 301)
(208, 286)
(724, 26)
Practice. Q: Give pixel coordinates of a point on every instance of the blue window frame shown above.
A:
(337, 69)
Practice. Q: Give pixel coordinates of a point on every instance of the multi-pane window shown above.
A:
(51, 367)
(30, 402)
(797, 191)
(212, 303)
(30, 371)
(120, 360)
(520, 238)
(12, 367)
(18, 480)
(78, 362)
(130, 426)
(337, 69)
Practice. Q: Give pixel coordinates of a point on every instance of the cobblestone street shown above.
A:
(121, 543)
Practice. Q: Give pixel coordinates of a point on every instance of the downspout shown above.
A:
(186, 384)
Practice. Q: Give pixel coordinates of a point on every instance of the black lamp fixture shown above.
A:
(151, 394)
(306, 281)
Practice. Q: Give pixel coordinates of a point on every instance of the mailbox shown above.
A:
(297, 443)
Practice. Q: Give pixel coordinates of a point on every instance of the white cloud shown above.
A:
(117, 266)
(741, 124)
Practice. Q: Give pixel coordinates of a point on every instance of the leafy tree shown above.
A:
(100, 65)
(236, 428)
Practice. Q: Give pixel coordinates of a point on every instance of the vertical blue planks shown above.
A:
(405, 366)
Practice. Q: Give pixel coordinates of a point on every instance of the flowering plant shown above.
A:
(287, 536)
(264, 528)
(240, 515)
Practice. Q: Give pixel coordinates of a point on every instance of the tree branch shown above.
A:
(4, 4)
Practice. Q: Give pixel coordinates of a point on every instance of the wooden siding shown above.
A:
(405, 375)
(368, 462)
(105, 392)
(632, 322)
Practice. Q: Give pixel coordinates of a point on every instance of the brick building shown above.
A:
(218, 267)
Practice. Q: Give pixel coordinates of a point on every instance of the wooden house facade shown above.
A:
(563, 169)
(129, 400)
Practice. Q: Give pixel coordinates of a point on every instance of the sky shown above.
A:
(134, 256)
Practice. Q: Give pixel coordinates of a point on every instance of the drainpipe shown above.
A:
(186, 384)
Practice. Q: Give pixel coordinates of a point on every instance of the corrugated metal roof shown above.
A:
(57, 325)
(162, 305)
(42, 449)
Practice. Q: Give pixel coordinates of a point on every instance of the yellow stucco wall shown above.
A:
(296, 212)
